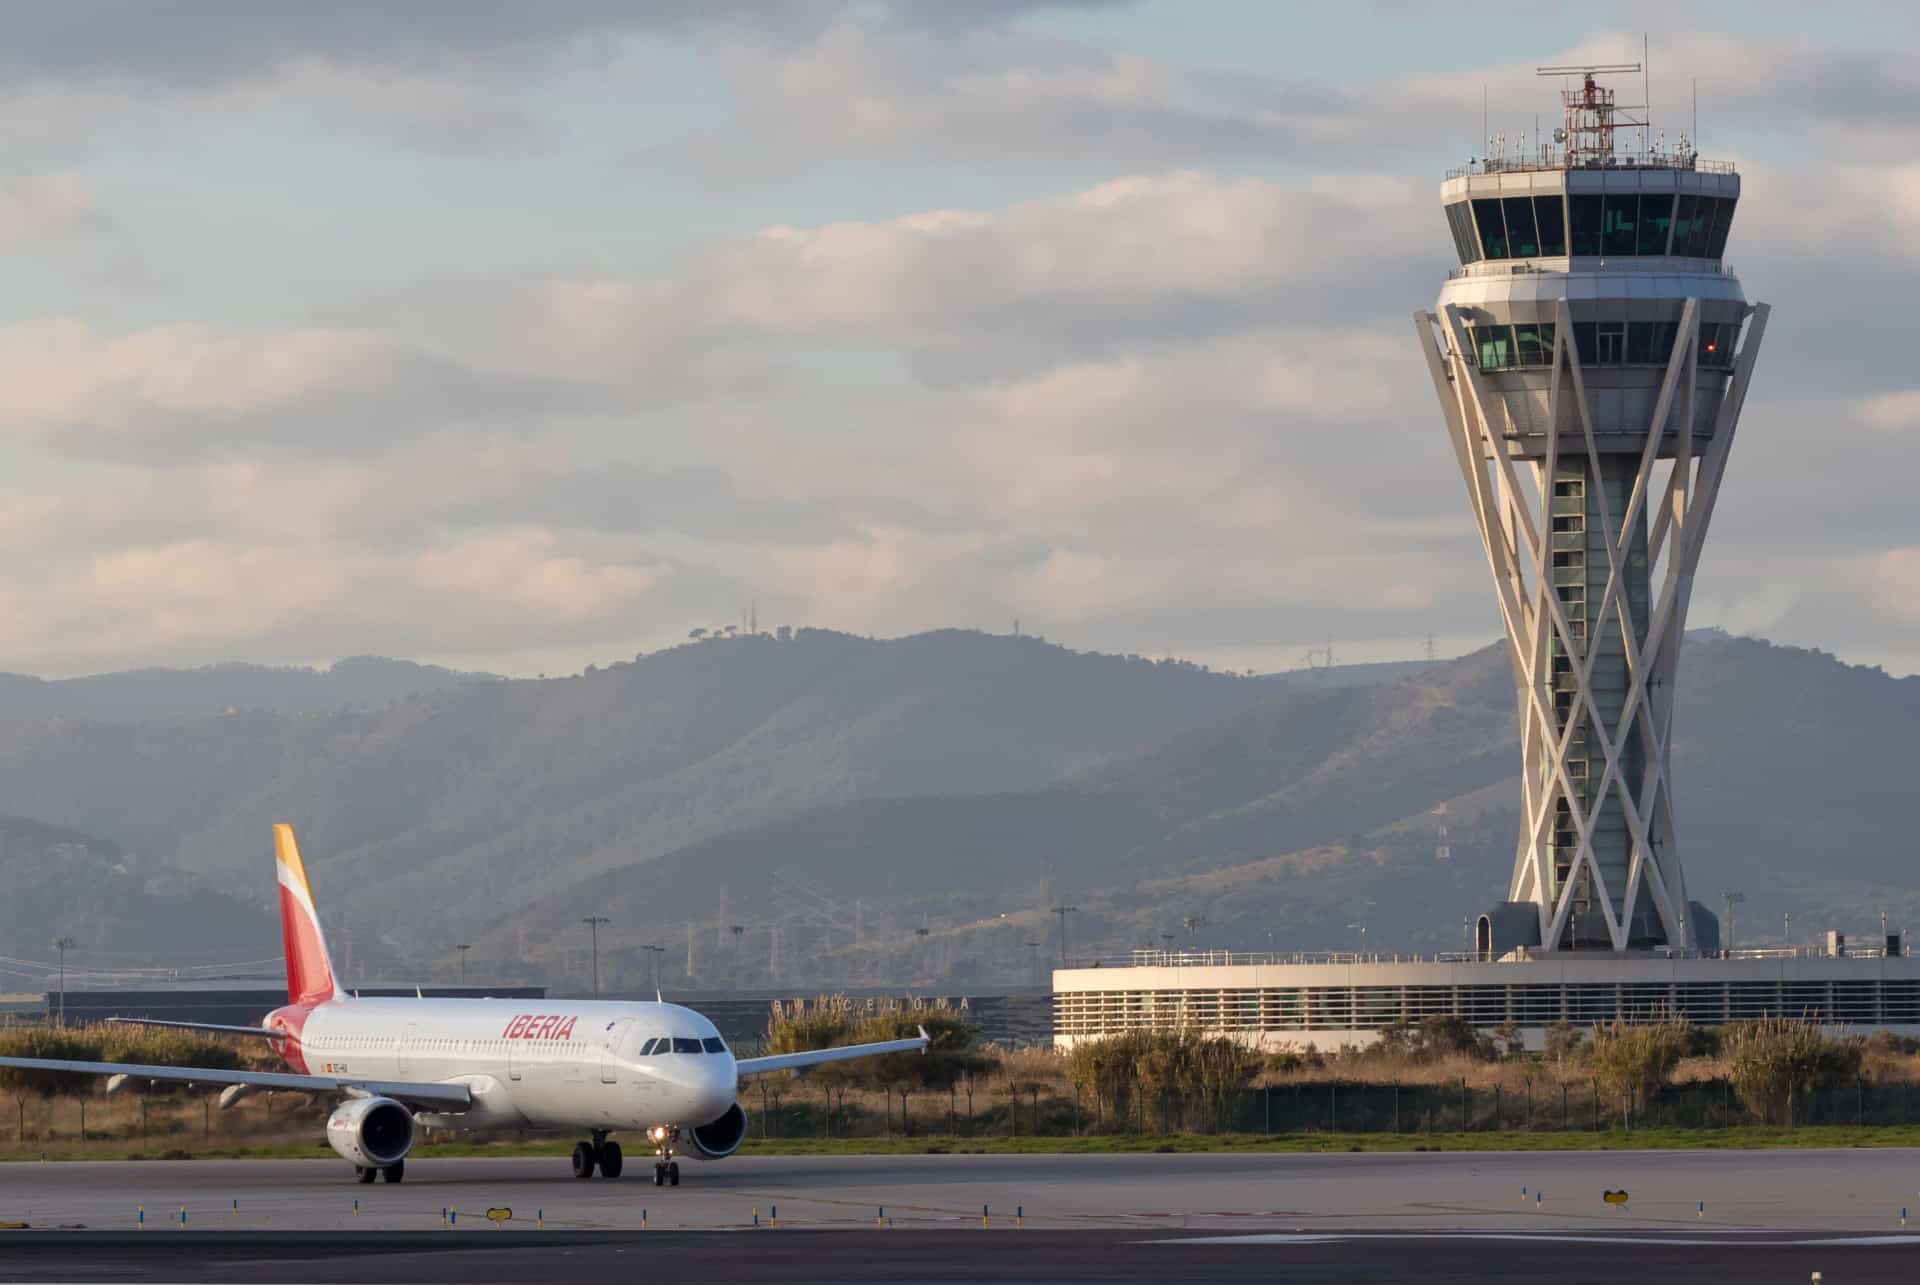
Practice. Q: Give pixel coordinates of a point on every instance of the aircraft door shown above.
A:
(513, 1059)
(610, 1050)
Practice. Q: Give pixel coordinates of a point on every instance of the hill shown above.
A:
(1314, 817)
(122, 914)
(141, 695)
(454, 803)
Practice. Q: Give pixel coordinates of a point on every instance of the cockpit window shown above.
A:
(651, 1047)
(685, 1044)
(712, 1044)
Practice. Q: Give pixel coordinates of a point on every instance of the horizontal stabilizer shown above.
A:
(216, 1028)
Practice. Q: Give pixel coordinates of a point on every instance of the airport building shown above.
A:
(1591, 353)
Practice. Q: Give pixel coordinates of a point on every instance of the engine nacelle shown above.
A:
(722, 1137)
(371, 1132)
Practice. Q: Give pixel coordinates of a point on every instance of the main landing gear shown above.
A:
(666, 1170)
(392, 1173)
(599, 1154)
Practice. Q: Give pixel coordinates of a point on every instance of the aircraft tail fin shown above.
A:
(310, 975)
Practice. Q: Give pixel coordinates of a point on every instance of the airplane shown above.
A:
(595, 1065)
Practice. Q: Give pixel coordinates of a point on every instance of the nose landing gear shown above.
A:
(666, 1170)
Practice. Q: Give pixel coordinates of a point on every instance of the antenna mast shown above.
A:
(1592, 114)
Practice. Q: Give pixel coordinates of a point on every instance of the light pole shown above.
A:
(1732, 899)
(463, 948)
(653, 961)
(1033, 950)
(593, 922)
(1063, 912)
(61, 946)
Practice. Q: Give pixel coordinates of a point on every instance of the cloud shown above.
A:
(176, 387)
(1895, 580)
(969, 296)
(42, 205)
(1892, 412)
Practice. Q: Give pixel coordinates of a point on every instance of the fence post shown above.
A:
(1496, 1108)
(1396, 1106)
(83, 1119)
(1464, 1126)
(1333, 1107)
(1266, 1098)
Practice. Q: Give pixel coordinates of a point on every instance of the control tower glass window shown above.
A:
(1460, 223)
(1583, 216)
(1722, 224)
(1683, 212)
(1619, 228)
(1493, 228)
(1656, 220)
(1548, 214)
(1702, 223)
(1523, 242)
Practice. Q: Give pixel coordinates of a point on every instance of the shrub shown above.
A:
(1433, 1038)
(834, 1019)
(1630, 1062)
(104, 1042)
(1776, 1059)
(1136, 1067)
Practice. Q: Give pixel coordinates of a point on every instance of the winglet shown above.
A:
(928, 1038)
(310, 976)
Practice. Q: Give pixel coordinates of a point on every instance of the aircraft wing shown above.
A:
(421, 1096)
(817, 1057)
(262, 1032)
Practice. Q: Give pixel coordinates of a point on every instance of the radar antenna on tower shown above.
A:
(1592, 114)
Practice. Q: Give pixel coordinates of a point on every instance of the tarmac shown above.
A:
(1744, 1215)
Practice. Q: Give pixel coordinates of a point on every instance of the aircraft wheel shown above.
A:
(583, 1160)
(611, 1160)
(659, 1175)
(673, 1174)
(395, 1171)
(362, 1173)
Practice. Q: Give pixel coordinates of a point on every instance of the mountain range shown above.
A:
(910, 810)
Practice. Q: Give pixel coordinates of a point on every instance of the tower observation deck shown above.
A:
(1592, 353)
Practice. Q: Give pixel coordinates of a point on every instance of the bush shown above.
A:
(1433, 1038)
(104, 1042)
(831, 1020)
(1775, 1060)
(1182, 1066)
(1630, 1062)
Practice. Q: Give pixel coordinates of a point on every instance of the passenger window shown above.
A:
(1493, 229)
(712, 1044)
(683, 1044)
(1656, 220)
(1549, 214)
(1619, 232)
(1522, 240)
(1722, 224)
(1584, 221)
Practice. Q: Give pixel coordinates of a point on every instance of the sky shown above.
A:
(526, 336)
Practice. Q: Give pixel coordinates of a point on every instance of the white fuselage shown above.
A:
(542, 1064)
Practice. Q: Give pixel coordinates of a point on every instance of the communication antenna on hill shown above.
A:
(1443, 851)
(1429, 651)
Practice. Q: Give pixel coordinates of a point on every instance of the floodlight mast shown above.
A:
(1592, 354)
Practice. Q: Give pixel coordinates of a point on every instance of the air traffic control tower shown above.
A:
(1592, 353)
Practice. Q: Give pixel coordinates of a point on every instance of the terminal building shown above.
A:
(1591, 353)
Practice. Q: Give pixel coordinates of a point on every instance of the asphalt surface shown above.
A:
(426, 1258)
(1850, 1190)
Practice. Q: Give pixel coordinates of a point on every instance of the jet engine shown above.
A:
(721, 1137)
(374, 1133)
